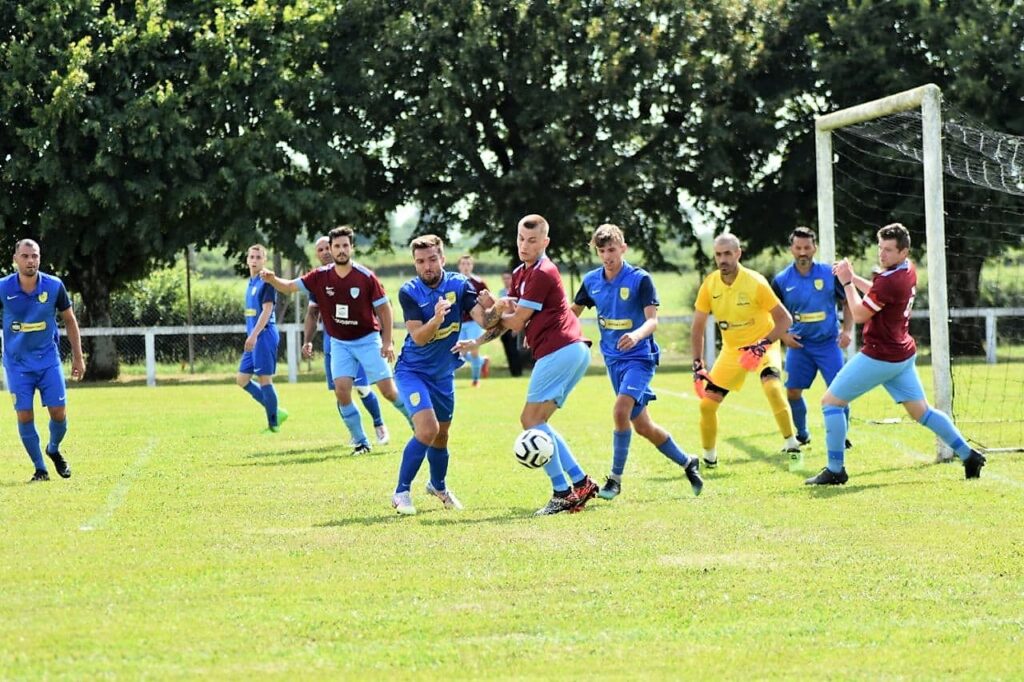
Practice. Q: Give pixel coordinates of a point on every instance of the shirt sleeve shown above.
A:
(469, 297)
(410, 309)
(308, 283)
(646, 293)
(766, 298)
(879, 294)
(583, 296)
(269, 293)
(536, 289)
(63, 301)
(777, 287)
(703, 303)
(840, 293)
(377, 289)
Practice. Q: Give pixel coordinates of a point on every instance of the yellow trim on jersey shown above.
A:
(809, 317)
(250, 312)
(28, 326)
(607, 323)
(445, 332)
(742, 310)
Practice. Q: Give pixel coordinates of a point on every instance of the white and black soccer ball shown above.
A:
(533, 448)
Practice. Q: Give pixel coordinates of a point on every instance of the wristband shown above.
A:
(846, 284)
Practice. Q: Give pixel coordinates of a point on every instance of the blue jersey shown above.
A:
(620, 307)
(418, 301)
(30, 322)
(258, 292)
(811, 299)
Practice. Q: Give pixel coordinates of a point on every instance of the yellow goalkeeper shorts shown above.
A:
(730, 375)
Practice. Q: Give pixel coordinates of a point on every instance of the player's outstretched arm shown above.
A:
(285, 286)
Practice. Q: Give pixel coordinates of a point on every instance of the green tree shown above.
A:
(586, 112)
(128, 131)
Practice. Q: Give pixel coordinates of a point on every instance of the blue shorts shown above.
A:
(633, 377)
(803, 364)
(50, 383)
(424, 392)
(261, 360)
(348, 357)
(470, 330)
(556, 374)
(359, 381)
(861, 374)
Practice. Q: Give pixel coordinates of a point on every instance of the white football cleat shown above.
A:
(382, 434)
(447, 497)
(402, 502)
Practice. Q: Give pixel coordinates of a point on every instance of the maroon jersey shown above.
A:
(479, 285)
(552, 325)
(346, 303)
(887, 334)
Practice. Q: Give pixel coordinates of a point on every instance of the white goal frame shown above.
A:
(929, 99)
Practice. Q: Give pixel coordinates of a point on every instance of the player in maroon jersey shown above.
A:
(479, 365)
(887, 356)
(358, 319)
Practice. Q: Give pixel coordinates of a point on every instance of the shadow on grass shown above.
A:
(430, 517)
(326, 449)
(778, 460)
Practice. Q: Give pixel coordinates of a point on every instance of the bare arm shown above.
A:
(423, 332)
(387, 321)
(627, 341)
(783, 321)
(285, 286)
(309, 329)
(261, 322)
(75, 337)
(862, 283)
(517, 319)
(576, 309)
(859, 312)
(846, 333)
(700, 323)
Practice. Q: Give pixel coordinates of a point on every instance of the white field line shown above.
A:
(116, 497)
(919, 456)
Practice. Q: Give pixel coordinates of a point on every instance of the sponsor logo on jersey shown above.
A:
(25, 327)
(329, 290)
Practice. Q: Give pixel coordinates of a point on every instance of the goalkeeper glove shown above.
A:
(700, 379)
(751, 356)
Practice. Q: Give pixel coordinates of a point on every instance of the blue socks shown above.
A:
(372, 406)
(620, 450)
(562, 466)
(270, 403)
(350, 415)
(942, 426)
(673, 452)
(253, 389)
(438, 460)
(412, 458)
(57, 431)
(30, 439)
(799, 409)
(835, 436)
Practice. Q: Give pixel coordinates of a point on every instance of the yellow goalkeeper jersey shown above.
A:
(742, 310)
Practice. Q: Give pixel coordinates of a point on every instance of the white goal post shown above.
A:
(929, 99)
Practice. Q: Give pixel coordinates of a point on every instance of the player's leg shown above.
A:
(553, 378)
(264, 367)
(800, 371)
(829, 359)
(726, 375)
(622, 433)
(662, 439)
(442, 396)
(371, 405)
(343, 369)
(244, 377)
(22, 386)
(905, 388)
(367, 353)
(855, 379)
(53, 392)
(425, 430)
(770, 372)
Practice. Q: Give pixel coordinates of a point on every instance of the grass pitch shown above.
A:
(188, 545)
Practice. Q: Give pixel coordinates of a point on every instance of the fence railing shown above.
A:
(291, 335)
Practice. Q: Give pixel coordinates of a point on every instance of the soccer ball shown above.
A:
(533, 448)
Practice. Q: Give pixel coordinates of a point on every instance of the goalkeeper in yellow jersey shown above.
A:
(752, 319)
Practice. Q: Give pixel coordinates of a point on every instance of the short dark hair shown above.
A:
(535, 222)
(342, 231)
(803, 233)
(896, 232)
(427, 241)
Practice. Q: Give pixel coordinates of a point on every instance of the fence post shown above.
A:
(990, 337)
(292, 344)
(709, 342)
(150, 358)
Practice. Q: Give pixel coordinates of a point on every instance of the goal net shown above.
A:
(958, 186)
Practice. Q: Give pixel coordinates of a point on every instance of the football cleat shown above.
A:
(828, 477)
(848, 444)
(60, 464)
(583, 491)
(382, 434)
(39, 475)
(402, 502)
(610, 489)
(803, 440)
(692, 470)
(270, 430)
(362, 449)
(973, 464)
(557, 505)
(282, 416)
(485, 368)
(710, 460)
(446, 496)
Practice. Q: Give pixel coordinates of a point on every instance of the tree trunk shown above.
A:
(102, 362)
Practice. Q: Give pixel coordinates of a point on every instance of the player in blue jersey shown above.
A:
(259, 356)
(627, 314)
(814, 343)
(360, 383)
(433, 304)
(31, 301)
